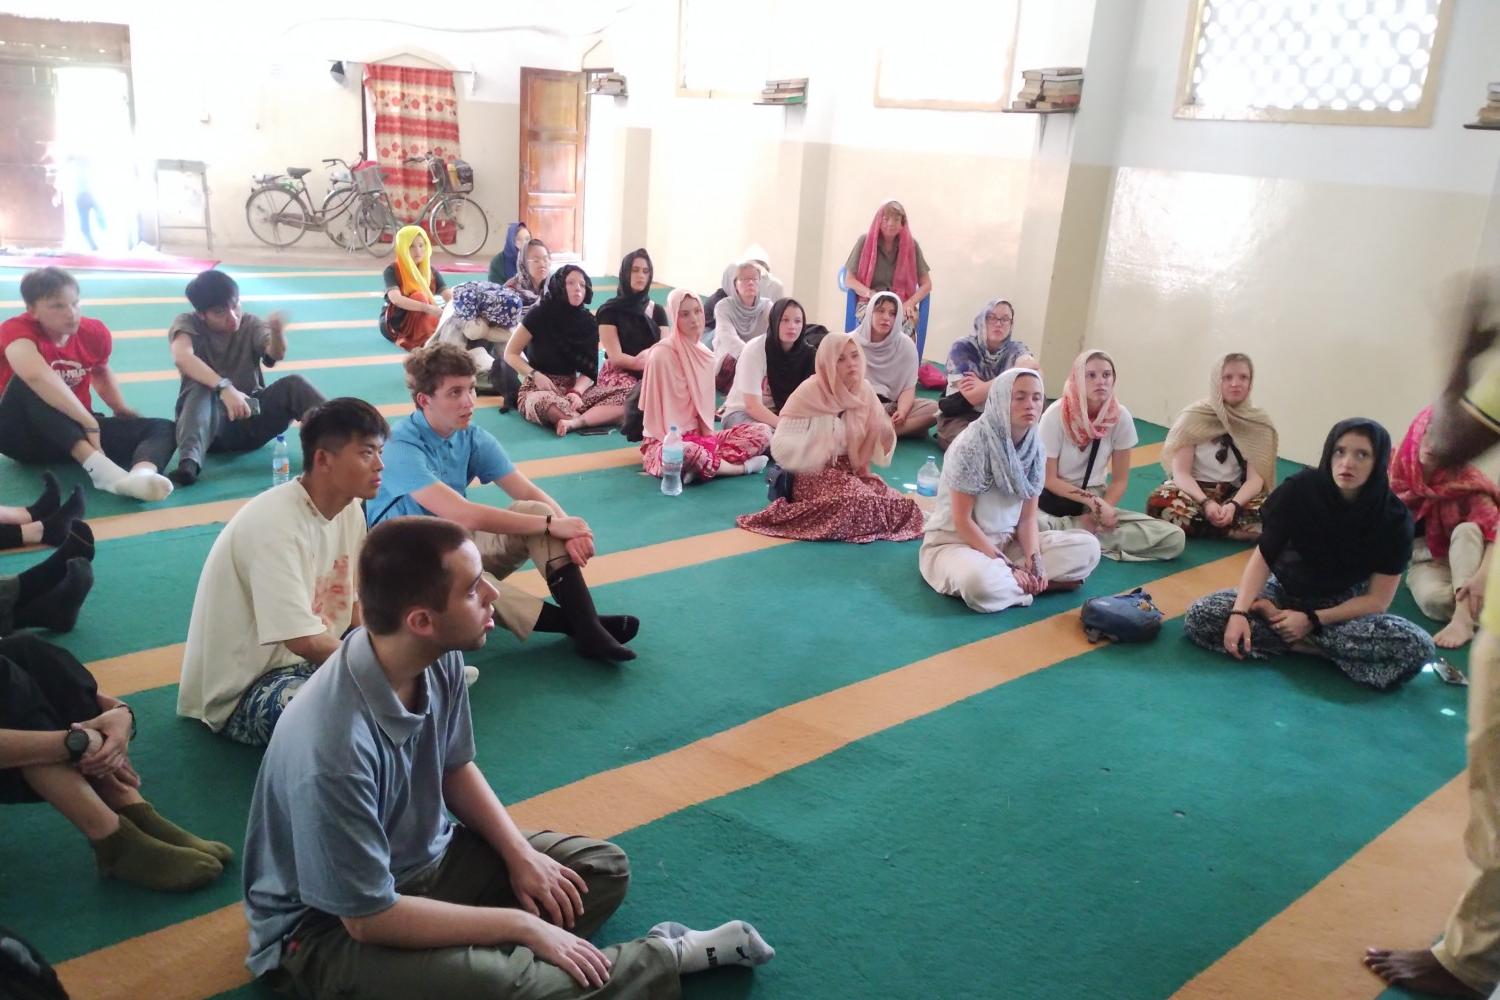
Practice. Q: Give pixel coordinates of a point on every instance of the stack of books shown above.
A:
(1054, 88)
(785, 91)
(1490, 113)
(608, 84)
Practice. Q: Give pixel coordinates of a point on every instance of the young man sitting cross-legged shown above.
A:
(431, 459)
(357, 883)
(65, 743)
(277, 590)
(52, 360)
(224, 403)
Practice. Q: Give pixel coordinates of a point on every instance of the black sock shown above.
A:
(10, 536)
(79, 543)
(57, 609)
(42, 577)
(48, 501)
(552, 619)
(56, 525)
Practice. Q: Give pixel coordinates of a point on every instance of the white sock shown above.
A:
(142, 484)
(734, 943)
(104, 473)
(471, 674)
(756, 465)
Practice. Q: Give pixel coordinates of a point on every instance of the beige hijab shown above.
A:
(1248, 425)
(805, 439)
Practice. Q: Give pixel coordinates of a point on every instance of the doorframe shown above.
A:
(579, 166)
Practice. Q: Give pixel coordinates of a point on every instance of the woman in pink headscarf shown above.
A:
(677, 390)
(831, 430)
(887, 258)
(1456, 514)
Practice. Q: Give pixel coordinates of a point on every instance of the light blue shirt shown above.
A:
(349, 799)
(416, 456)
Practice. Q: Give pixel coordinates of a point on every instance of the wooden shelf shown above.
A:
(1481, 127)
(1047, 111)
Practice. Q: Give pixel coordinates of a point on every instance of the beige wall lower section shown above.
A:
(1336, 290)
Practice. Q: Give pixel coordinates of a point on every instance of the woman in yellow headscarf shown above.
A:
(414, 291)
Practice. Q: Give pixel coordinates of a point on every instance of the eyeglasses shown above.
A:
(999, 320)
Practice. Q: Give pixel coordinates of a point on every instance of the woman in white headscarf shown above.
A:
(739, 318)
(891, 367)
(983, 542)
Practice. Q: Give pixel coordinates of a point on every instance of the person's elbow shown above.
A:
(372, 929)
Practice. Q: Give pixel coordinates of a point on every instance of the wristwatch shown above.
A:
(222, 384)
(77, 742)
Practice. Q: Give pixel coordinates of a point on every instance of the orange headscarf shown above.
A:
(869, 436)
(1077, 424)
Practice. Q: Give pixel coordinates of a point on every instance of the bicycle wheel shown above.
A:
(458, 225)
(372, 217)
(338, 217)
(276, 217)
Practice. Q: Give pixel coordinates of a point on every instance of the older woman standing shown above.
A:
(832, 429)
(984, 543)
(1088, 435)
(738, 318)
(678, 391)
(888, 258)
(555, 351)
(974, 362)
(1334, 541)
(1456, 514)
(630, 324)
(891, 367)
(1221, 454)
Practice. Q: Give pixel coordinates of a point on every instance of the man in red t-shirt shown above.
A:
(51, 361)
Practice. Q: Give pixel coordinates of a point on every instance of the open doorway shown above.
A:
(95, 162)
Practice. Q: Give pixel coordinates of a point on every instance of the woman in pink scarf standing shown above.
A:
(831, 430)
(678, 391)
(1456, 514)
(888, 258)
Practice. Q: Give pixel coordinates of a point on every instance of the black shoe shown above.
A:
(186, 473)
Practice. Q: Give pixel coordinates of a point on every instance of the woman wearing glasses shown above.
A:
(973, 363)
(1221, 455)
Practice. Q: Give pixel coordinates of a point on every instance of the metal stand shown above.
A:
(192, 168)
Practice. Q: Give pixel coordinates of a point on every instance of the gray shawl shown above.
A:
(985, 457)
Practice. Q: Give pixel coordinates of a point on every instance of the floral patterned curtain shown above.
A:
(415, 112)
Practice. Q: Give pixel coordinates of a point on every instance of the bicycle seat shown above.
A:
(297, 173)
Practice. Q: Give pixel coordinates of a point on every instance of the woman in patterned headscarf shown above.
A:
(984, 544)
(888, 258)
(974, 362)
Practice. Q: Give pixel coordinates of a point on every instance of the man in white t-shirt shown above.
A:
(278, 588)
(1085, 494)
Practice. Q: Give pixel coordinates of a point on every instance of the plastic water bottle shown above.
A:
(927, 478)
(281, 462)
(603, 357)
(671, 463)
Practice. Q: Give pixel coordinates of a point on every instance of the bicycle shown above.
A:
(279, 211)
(454, 221)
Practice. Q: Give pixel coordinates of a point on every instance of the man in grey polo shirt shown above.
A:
(357, 884)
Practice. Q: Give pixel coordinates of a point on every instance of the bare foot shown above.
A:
(1418, 971)
(1455, 634)
(563, 426)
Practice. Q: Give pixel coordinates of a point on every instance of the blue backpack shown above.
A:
(1131, 617)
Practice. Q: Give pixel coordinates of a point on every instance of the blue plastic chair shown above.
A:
(851, 321)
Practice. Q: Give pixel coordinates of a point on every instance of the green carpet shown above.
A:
(1106, 827)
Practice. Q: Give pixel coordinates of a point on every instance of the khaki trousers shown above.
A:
(502, 555)
(1433, 581)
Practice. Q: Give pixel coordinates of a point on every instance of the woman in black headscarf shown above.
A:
(555, 350)
(630, 324)
(1334, 543)
(772, 365)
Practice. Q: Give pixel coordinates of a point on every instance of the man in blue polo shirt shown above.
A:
(431, 459)
(357, 883)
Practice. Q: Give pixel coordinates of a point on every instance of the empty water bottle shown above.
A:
(281, 462)
(671, 463)
(602, 358)
(927, 478)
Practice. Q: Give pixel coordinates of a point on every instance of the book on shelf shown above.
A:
(1053, 73)
(1489, 115)
(798, 83)
(1494, 90)
(1056, 104)
(1051, 88)
(786, 98)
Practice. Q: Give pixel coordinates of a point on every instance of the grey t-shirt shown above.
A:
(349, 799)
(236, 357)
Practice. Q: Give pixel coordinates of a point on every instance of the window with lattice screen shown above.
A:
(1367, 62)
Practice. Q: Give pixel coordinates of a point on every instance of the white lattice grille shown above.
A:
(1313, 55)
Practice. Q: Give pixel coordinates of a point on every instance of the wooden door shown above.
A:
(554, 131)
(28, 217)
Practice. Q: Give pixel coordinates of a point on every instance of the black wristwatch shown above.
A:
(1317, 623)
(77, 742)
